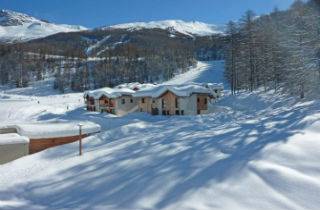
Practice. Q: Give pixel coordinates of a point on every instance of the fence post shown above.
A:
(80, 138)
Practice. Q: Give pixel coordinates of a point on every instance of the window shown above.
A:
(164, 112)
(198, 100)
(142, 100)
(123, 101)
(131, 100)
(182, 112)
(205, 101)
(176, 102)
(177, 112)
(153, 101)
(162, 103)
(216, 91)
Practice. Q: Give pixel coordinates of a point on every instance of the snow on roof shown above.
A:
(56, 129)
(118, 91)
(109, 92)
(13, 138)
(136, 86)
(179, 90)
(217, 86)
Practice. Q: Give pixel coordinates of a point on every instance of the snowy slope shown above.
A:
(205, 72)
(261, 151)
(16, 26)
(188, 28)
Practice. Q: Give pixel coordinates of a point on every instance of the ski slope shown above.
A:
(258, 151)
(204, 72)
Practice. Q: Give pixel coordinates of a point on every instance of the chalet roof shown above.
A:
(109, 92)
(179, 90)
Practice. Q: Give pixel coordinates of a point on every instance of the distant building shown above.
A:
(118, 101)
(188, 99)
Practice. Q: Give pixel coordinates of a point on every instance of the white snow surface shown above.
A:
(187, 28)
(259, 150)
(13, 138)
(56, 129)
(32, 28)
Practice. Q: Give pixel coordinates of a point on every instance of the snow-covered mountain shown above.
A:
(16, 27)
(188, 28)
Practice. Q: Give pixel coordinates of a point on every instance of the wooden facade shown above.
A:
(202, 102)
(169, 103)
(90, 104)
(37, 145)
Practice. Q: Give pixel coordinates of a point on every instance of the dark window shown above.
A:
(176, 102)
(198, 112)
(164, 112)
(216, 91)
(153, 101)
(155, 111)
(182, 112)
(131, 100)
(168, 113)
(177, 112)
(123, 101)
(162, 103)
(198, 100)
(142, 100)
(205, 101)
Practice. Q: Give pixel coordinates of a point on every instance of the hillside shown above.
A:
(257, 151)
(33, 50)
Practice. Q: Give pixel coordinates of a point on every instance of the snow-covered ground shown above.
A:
(259, 151)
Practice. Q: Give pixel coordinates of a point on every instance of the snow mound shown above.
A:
(188, 28)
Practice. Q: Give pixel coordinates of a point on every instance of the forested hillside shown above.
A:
(106, 57)
(279, 51)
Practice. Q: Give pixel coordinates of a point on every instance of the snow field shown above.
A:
(260, 151)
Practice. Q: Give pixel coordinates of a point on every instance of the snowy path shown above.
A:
(261, 154)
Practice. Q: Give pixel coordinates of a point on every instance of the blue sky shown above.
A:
(94, 13)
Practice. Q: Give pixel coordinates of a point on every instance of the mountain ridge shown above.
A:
(20, 27)
(190, 28)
